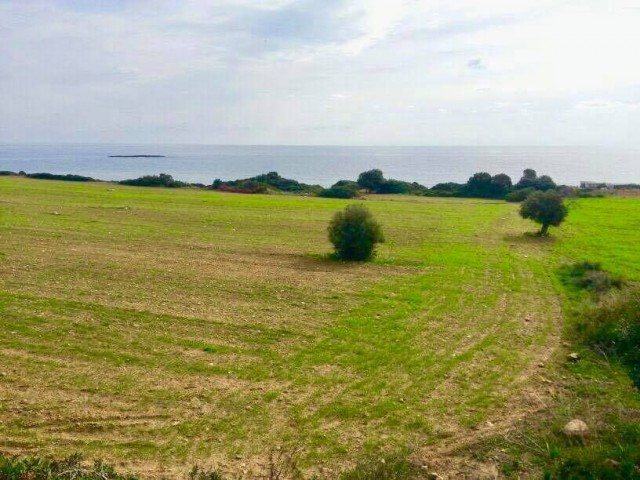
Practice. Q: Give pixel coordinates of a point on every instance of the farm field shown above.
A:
(161, 328)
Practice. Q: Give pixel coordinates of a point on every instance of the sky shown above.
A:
(330, 72)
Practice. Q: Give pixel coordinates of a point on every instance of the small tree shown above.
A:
(354, 233)
(544, 183)
(479, 185)
(529, 178)
(501, 184)
(371, 180)
(545, 208)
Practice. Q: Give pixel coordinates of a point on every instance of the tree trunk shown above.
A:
(544, 231)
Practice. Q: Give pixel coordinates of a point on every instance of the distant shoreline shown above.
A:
(137, 156)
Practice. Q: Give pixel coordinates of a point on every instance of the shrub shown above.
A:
(262, 183)
(483, 185)
(354, 233)
(530, 179)
(274, 180)
(390, 468)
(371, 180)
(240, 186)
(53, 176)
(519, 195)
(197, 473)
(71, 468)
(162, 180)
(501, 183)
(342, 189)
(590, 276)
(394, 186)
(339, 192)
(350, 184)
(544, 183)
(545, 208)
(7, 173)
(374, 182)
(613, 327)
(594, 469)
(449, 189)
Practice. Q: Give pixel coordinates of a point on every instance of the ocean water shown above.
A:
(324, 164)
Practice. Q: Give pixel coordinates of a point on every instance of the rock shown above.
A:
(609, 462)
(576, 429)
(434, 476)
(573, 357)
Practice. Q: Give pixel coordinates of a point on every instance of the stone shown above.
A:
(573, 357)
(576, 428)
(609, 462)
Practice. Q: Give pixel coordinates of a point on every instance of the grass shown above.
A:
(599, 389)
(166, 328)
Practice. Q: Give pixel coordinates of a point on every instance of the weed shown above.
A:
(612, 327)
(71, 468)
(590, 276)
(198, 474)
(384, 468)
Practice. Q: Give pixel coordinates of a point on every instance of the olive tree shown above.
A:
(545, 208)
(354, 233)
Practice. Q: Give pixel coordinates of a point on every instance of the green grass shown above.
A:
(596, 389)
(164, 328)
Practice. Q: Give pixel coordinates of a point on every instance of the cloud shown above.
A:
(476, 64)
(280, 71)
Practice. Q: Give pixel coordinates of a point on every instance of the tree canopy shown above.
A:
(546, 208)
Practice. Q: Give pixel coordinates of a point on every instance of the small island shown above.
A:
(136, 156)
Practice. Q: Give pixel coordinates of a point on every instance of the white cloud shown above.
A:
(280, 71)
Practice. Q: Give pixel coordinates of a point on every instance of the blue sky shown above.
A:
(348, 72)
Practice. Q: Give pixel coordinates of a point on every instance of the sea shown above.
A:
(324, 165)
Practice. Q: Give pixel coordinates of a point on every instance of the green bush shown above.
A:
(198, 474)
(371, 180)
(374, 182)
(449, 189)
(483, 185)
(530, 179)
(594, 468)
(53, 176)
(240, 186)
(339, 192)
(354, 233)
(519, 195)
(590, 276)
(612, 326)
(350, 184)
(71, 468)
(162, 180)
(263, 183)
